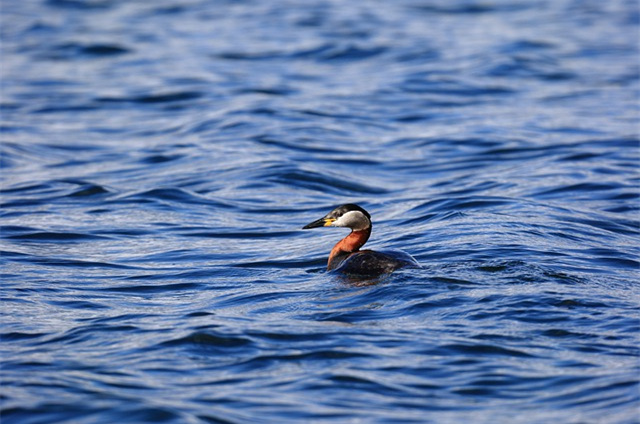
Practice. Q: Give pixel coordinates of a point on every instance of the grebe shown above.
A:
(346, 256)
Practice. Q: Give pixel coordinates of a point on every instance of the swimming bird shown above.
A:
(346, 256)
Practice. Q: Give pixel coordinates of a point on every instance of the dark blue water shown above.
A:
(160, 157)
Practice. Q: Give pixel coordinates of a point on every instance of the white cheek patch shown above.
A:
(354, 220)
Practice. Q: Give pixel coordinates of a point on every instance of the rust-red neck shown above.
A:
(351, 243)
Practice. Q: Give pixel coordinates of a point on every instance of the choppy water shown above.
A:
(159, 159)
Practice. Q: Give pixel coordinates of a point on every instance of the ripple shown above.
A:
(325, 52)
(81, 5)
(73, 50)
(210, 343)
(55, 237)
(170, 195)
(472, 9)
(155, 288)
(312, 180)
(166, 97)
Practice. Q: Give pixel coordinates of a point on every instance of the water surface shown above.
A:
(159, 159)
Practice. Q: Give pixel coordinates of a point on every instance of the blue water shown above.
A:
(159, 159)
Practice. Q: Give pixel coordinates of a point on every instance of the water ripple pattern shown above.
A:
(159, 159)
